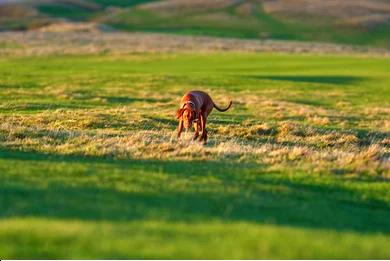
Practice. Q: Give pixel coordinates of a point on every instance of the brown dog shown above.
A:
(195, 107)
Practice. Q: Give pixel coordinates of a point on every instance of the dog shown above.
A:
(195, 107)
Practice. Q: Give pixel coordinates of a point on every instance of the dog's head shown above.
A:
(187, 114)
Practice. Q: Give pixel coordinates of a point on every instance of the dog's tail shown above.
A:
(222, 110)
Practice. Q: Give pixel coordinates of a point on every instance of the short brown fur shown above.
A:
(195, 107)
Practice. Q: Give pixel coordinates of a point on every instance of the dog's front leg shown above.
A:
(180, 128)
(197, 127)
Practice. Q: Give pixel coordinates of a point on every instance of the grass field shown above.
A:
(90, 166)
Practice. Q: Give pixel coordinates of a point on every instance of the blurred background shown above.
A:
(358, 22)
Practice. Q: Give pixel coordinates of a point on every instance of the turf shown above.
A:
(90, 166)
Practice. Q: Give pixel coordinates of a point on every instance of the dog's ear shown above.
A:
(179, 113)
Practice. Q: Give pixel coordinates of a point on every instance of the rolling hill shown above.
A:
(365, 22)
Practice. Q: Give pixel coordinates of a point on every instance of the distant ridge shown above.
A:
(363, 22)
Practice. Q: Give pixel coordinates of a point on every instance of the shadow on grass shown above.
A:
(87, 102)
(125, 100)
(310, 101)
(213, 191)
(36, 107)
(19, 85)
(365, 137)
(321, 79)
(173, 122)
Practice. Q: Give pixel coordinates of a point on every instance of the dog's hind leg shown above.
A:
(204, 131)
(205, 137)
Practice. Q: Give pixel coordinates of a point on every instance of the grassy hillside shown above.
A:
(352, 22)
(90, 166)
(263, 19)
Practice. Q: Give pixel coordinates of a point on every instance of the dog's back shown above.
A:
(200, 98)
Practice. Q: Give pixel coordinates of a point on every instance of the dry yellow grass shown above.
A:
(128, 133)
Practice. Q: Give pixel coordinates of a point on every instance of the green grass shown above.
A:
(79, 12)
(245, 19)
(90, 167)
(84, 11)
(73, 12)
(226, 22)
(121, 3)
